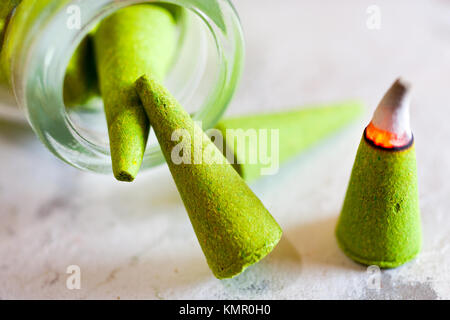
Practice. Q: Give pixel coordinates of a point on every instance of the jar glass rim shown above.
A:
(38, 74)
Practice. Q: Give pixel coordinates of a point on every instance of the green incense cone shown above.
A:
(6, 7)
(25, 15)
(380, 219)
(2, 25)
(233, 227)
(133, 41)
(298, 130)
(80, 83)
(175, 10)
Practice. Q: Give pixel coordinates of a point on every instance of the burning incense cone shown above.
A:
(233, 227)
(298, 130)
(380, 219)
(133, 41)
(80, 83)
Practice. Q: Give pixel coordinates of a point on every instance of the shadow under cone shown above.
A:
(298, 130)
(233, 227)
(380, 219)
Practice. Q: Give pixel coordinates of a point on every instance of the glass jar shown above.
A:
(203, 76)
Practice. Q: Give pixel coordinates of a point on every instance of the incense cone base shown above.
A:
(298, 130)
(251, 258)
(233, 227)
(380, 263)
(380, 219)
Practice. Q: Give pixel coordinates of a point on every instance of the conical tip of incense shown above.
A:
(124, 176)
(127, 143)
(124, 172)
(124, 169)
(392, 114)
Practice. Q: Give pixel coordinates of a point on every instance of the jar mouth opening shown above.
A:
(203, 78)
(88, 121)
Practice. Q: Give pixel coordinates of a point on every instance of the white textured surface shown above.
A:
(135, 240)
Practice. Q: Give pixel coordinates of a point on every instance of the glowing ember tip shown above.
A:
(390, 126)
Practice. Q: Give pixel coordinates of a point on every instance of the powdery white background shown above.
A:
(135, 240)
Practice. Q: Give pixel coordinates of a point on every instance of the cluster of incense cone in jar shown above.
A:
(125, 60)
